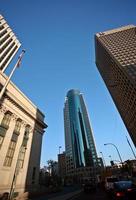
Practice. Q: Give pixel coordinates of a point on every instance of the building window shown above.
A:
(22, 157)
(2, 135)
(6, 120)
(24, 145)
(4, 126)
(12, 145)
(1, 140)
(26, 135)
(17, 126)
(10, 154)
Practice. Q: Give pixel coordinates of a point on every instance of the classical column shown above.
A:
(19, 173)
(26, 166)
(3, 110)
(34, 161)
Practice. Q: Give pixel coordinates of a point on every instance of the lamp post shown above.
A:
(117, 151)
(131, 148)
(16, 172)
(103, 159)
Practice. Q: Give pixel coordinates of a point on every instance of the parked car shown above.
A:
(109, 181)
(123, 190)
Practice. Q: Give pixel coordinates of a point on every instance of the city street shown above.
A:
(64, 194)
(68, 192)
(98, 195)
(67, 100)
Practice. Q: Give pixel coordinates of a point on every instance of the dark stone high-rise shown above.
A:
(116, 62)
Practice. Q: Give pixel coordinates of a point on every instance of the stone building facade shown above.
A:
(21, 131)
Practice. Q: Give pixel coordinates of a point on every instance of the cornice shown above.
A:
(41, 123)
(34, 114)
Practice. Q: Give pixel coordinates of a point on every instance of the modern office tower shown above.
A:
(79, 142)
(9, 44)
(116, 62)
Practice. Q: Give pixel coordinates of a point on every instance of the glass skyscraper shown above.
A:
(79, 141)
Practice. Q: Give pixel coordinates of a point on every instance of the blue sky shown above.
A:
(58, 36)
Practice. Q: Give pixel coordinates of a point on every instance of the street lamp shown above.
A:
(103, 159)
(116, 149)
